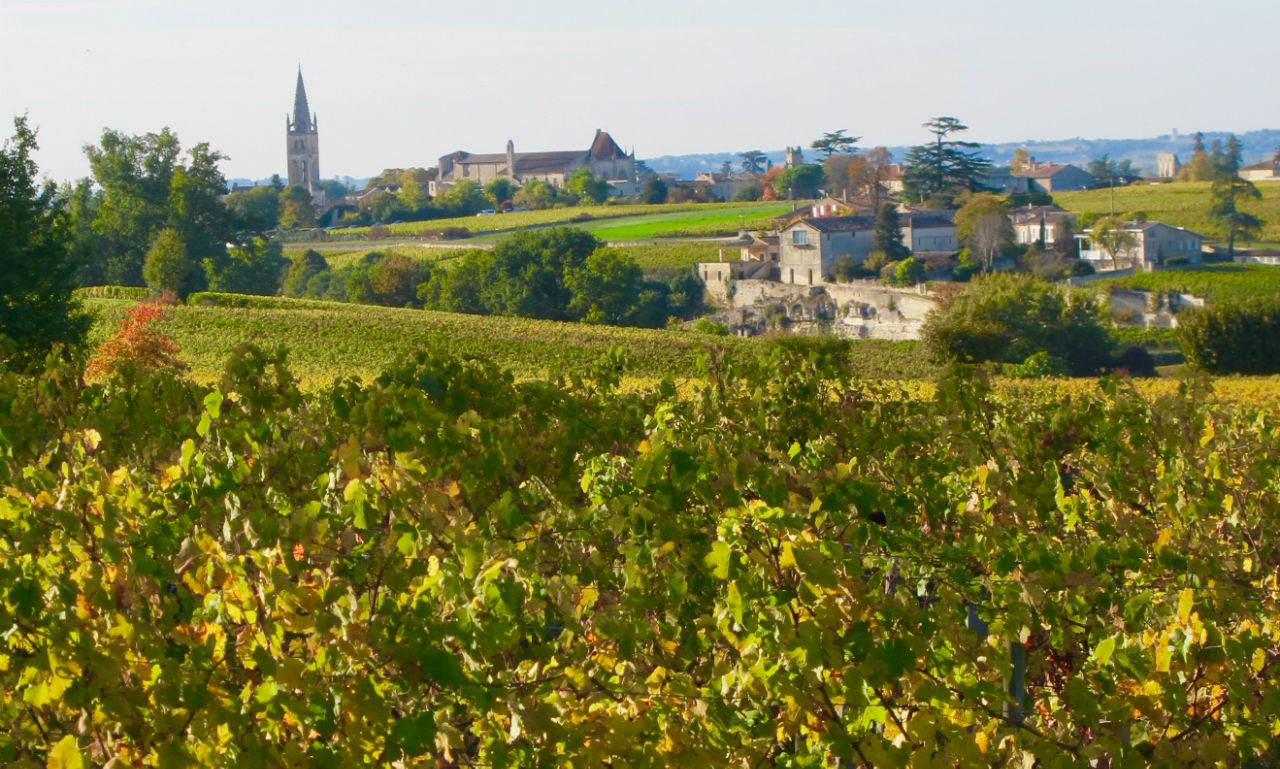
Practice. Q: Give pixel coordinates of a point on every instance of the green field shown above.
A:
(701, 215)
(329, 340)
(1215, 282)
(1185, 204)
(720, 220)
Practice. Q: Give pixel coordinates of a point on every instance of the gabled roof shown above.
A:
(926, 220)
(1266, 165)
(605, 148)
(1046, 170)
(840, 223)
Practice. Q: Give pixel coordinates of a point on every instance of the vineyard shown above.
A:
(328, 340)
(1216, 282)
(1185, 204)
(445, 568)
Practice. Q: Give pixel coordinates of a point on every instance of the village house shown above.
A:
(604, 158)
(1033, 224)
(724, 186)
(808, 248)
(1055, 177)
(1155, 243)
(1267, 170)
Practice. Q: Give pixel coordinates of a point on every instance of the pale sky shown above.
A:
(398, 84)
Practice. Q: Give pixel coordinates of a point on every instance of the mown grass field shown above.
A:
(675, 215)
(1185, 204)
(1215, 282)
(327, 340)
(723, 219)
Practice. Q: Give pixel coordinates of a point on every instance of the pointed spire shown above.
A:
(301, 112)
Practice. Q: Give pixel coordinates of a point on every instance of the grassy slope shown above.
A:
(328, 340)
(1185, 204)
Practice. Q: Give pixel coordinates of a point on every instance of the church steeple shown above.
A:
(301, 112)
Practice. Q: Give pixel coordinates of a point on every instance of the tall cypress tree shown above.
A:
(37, 309)
(888, 234)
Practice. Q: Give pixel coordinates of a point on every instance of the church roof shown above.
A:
(605, 148)
(301, 112)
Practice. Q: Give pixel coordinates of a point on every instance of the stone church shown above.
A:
(303, 150)
(604, 157)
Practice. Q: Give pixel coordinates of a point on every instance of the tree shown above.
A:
(1113, 237)
(167, 268)
(887, 238)
(537, 194)
(1228, 187)
(37, 309)
(1021, 162)
(983, 224)
(1233, 337)
(1007, 317)
(1200, 167)
(800, 181)
(605, 287)
(254, 267)
(464, 198)
(838, 173)
(256, 209)
(588, 188)
(1106, 172)
(944, 165)
(835, 143)
(302, 268)
(726, 168)
(296, 208)
(752, 161)
(146, 186)
(499, 190)
(653, 190)
(413, 196)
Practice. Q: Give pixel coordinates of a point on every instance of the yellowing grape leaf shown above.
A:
(1103, 651)
(65, 755)
(1185, 600)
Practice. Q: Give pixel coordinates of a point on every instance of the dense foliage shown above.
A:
(560, 273)
(37, 274)
(1240, 337)
(1007, 317)
(444, 568)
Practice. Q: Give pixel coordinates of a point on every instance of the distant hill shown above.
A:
(1258, 145)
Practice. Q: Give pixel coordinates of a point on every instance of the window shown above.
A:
(799, 238)
(811, 277)
(792, 279)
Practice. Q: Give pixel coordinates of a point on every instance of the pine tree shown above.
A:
(37, 309)
(888, 234)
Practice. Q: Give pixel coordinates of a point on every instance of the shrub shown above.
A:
(137, 344)
(1039, 365)
(1136, 361)
(1233, 338)
(1008, 317)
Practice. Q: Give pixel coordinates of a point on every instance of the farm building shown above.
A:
(1155, 243)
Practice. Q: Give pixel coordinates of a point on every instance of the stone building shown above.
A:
(604, 158)
(303, 145)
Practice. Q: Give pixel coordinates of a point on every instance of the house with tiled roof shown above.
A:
(1034, 224)
(1055, 177)
(604, 158)
(1155, 243)
(808, 248)
(1267, 170)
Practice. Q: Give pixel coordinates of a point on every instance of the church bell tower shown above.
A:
(303, 142)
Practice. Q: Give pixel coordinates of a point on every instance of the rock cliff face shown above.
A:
(863, 310)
